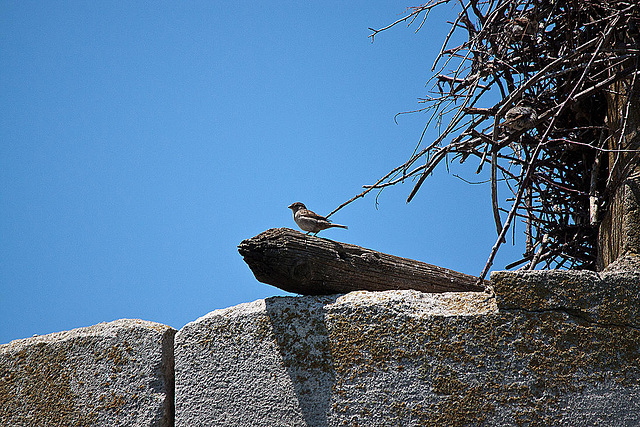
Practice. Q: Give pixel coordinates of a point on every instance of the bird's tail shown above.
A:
(338, 225)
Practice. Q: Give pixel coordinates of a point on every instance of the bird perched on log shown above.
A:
(310, 221)
(519, 118)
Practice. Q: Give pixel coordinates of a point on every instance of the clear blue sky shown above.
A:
(140, 142)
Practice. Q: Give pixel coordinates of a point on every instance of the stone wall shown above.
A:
(550, 348)
(110, 374)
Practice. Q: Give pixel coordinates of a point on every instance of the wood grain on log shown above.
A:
(308, 265)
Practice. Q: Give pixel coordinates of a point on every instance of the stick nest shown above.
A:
(526, 88)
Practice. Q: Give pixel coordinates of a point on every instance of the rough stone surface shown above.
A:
(611, 297)
(111, 374)
(407, 358)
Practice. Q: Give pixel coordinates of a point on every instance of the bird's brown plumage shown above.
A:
(310, 221)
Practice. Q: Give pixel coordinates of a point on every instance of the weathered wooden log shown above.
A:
(308, 265)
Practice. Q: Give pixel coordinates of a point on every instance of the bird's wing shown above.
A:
(314, 215)
(513, 119)
(513, 115)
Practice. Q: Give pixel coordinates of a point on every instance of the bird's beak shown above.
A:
(290, 206)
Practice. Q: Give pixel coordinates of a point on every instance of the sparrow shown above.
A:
(310, 221)
(519, 118)
(522, 26)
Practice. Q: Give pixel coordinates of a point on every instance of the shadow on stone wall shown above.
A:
(300, 331)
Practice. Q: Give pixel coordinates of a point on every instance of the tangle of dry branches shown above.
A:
(553, 64)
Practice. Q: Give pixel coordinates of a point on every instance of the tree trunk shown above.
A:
(296, 262)
(619, 232)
